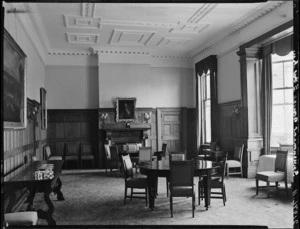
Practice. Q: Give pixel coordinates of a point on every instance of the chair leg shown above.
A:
(242, 172)
(286, 188)
(167, 184)
(256, 186)
(131, 193)
(146, 191)
(198, 194)
(125, 195)
(171, 205)
(223, 194)
(193, 205)
(227, 171)
(268, 187)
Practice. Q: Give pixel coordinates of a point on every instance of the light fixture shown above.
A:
(147, 116)
(103, 117)
(236, 110)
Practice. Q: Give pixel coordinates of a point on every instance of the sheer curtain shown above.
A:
(281, 47)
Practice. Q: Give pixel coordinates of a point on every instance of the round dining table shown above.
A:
(155, 169)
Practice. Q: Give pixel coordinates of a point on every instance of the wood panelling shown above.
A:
(72, 126)
(18, 145)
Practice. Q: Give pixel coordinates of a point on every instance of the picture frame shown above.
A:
(43, 101)
(14, 84)
(125, 109)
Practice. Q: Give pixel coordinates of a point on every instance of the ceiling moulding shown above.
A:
(139, 23)
(68, 53)
(241, 25)
(29, 29)
(88, 9)
(78, 22)
(131, 37)
(82, 38)
(38, 27)
(172, 42)
(201, 13)
(188, 28)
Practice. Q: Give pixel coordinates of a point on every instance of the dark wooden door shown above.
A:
(170, 128)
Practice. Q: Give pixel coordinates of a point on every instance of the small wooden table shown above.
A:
(27, 179)
(162, 169)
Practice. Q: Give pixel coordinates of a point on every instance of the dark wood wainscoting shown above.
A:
(231, 128)
(73, 127)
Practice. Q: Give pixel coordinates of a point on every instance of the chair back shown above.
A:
(213, 146)
(114, 153)
(127, 166)
(238, 153)
(47, 152)
(281, 161)
(72, 149)
(107, 151)
(132, 147)
(164, 148)
(86, 149)
(182, 173)
(145, 154)
(223, 167)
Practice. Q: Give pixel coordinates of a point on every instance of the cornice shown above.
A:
(241, 25)
(28, 27)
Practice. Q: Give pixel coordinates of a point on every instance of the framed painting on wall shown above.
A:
(125, 109)
(14, 84)
(43, 101)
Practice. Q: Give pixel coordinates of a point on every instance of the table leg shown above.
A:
(47, 215)
(30, 199)
(207, 188)
(151, 180)
(57, 190)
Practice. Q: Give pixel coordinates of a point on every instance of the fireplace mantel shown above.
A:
(123, 135)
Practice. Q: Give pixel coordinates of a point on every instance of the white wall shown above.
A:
(35, 72)
(72, 87)
(229, 88)
(152, 86)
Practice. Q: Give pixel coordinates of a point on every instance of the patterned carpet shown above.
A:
(96, 198)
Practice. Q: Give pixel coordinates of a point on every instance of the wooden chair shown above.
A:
(28, 218)
(182, 181)
(47, 154)
(72, 153)
(162, 152)
(112, 158)
(237, 161)
(133, 183)
(86, 154)
(174, 156)
(279, 174)
(216, 183)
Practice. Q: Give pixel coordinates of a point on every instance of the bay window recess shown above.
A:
(207, 118)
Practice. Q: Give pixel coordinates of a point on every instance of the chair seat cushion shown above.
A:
(55, 158)
(233, 163)
(21, 218)
(140, 182)
(181, 191)
(70, 158)
(87, 157)
(271, 176)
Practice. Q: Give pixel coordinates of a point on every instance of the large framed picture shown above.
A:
(43, 101)
(125, 109)
(14, 84)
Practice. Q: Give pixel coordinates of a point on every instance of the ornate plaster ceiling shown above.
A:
(160, 29)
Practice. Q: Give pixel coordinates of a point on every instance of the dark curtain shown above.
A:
(281, 47)
(202, 67)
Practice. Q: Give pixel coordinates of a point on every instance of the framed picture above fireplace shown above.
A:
(125, 109)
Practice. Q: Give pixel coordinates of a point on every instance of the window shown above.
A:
(282, 109)
(205, 104)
